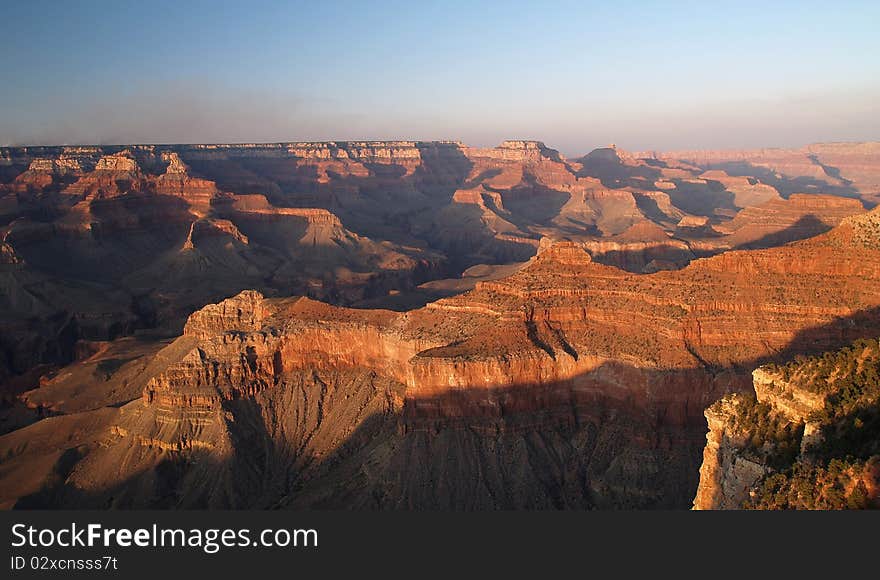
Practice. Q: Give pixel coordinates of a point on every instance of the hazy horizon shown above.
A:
(575, 76)
(567, 154)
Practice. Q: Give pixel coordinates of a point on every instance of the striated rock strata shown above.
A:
(567, 384)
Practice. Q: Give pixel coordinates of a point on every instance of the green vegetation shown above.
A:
(838, 485)
(772, 440)
(866, 230)
(830, 372)
(850, 420)
(840, 470)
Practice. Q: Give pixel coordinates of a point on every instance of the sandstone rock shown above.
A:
(777, 452)
(725, 477)
(604, 342)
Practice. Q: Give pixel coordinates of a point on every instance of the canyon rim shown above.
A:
(428, 325)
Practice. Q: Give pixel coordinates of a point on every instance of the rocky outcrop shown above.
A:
(177, 181)
(113, 175)
(243, 313)
(607, 212)
(643, 247)
(788, 399)
(732, 465)
(726, 477)
(806, 438)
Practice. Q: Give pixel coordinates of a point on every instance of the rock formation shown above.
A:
(806, 438)
(843, 168)
(211, 325)
(549, 350)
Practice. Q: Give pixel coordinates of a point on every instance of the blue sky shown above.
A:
(644, 75)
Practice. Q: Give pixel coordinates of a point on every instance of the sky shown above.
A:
(576, 75)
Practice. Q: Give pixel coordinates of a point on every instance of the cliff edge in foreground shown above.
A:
(808, 438)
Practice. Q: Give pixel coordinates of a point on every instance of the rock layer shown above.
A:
(548, 354)
(594, 308)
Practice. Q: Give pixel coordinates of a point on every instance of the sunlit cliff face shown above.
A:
(253, 325)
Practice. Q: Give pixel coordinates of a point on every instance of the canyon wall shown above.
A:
(804, 439)
(567, 384)
(403, 324)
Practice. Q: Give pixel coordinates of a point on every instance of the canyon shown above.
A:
(413, 325)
